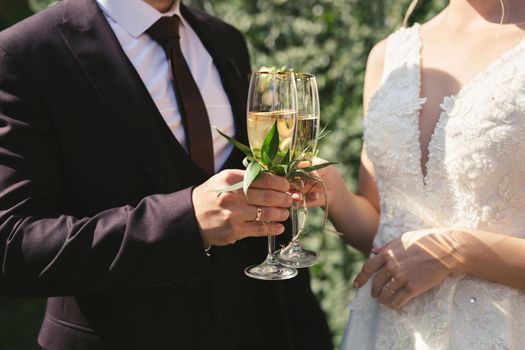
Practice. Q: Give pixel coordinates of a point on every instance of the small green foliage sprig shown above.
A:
(270, 161)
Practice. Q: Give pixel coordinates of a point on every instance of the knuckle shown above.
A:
(390, 267)
(401, 278)
(267, 197)
(224, 199)
(231, 176)
(275, 214)
(228, 216)
(262, 229)
(284, 185)
(410, 287)
(266, 180)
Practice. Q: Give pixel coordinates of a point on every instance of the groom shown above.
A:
(107, 206)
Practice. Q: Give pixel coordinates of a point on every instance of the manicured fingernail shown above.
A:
(312, 196)
(376, 250)
(356, 284)
(280, 229)
(296, 196)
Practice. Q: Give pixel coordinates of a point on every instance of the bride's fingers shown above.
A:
(312, 196)
(389, 290)
(379, 281)
(401, 298)
(369, 268)
(311, 187)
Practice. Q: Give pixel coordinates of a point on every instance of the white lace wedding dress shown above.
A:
(475, 179)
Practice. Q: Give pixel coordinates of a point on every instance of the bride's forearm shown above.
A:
(356, 218)
(496, 257)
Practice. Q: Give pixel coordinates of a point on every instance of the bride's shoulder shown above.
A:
(376, 57)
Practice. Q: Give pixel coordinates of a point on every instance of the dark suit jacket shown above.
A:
(95, 201)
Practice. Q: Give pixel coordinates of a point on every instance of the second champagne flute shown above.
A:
(307, 134)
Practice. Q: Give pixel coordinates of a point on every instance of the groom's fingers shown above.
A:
(369, 268)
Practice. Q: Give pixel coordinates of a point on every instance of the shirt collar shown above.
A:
(136, 16)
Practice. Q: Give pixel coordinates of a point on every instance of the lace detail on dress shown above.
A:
(475, 179)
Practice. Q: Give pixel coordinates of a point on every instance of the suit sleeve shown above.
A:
(44, 252)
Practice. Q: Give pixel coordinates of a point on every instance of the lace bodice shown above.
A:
(475, 179)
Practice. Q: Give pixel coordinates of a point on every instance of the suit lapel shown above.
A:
(92, 42)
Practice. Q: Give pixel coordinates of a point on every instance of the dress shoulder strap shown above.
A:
(402, 49)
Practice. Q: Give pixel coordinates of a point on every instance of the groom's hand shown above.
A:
(230, 216)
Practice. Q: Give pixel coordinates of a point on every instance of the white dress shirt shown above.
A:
(129, 20)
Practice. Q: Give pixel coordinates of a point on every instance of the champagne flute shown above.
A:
(272, 98)
(308, 123)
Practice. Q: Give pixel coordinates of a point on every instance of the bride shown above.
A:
(441, 193)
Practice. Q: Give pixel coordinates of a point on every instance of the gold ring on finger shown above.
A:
(388, 286)
(258, 214)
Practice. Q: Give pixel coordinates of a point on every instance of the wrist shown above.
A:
(206, 244)
(455, 243)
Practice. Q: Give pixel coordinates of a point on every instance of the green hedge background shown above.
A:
(330, 38)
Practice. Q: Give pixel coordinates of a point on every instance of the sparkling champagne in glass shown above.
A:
(272, 98)
(307, 134)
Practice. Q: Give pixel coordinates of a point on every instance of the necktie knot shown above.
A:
(164, 29)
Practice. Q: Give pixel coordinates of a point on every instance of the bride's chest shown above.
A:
(479, 135)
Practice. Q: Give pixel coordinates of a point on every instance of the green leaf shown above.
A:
(254, 169)
(231, 188)
(270, 144)
(279, 169)
(323, 133)
(317, 167)
(302, 175)
(242, 147)
(246, 161)
(266, 159)
(287, 157)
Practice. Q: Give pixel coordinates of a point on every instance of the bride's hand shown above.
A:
(313, 191)
(409, 266)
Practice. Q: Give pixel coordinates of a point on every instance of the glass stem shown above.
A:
(294, 210)
(271, 259)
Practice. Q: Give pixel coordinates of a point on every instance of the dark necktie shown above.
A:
(191, 105)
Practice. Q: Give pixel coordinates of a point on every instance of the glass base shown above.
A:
(270, 271)
(296, 256)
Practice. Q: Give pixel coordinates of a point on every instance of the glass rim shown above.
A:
(304, 76)
(283, 73)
